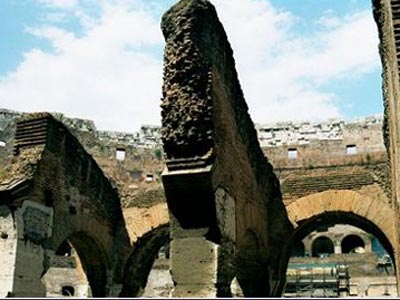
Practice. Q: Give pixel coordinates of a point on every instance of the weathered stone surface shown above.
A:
(387, 16)
(8, 245)
(187, 113)
(348, 207)
(140, 221)
(211, 143)
(53, 178)
(140, 260)
(207, 131)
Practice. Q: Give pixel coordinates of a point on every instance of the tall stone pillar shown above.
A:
(194, 254)
(218, 183)
(8, 249)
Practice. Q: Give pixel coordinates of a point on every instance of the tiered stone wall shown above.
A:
(366, 179)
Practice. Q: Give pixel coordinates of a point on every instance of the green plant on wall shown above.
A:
(368, 158)
(158, 153)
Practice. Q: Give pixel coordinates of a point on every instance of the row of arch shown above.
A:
(351, 243)
(146, 248)
(91, 268)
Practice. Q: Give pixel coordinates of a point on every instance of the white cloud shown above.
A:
(282, 73)
(112, 72)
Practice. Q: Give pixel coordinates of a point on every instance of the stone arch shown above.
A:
(362, 211)
(350, 242)
(339, 207)
(94, 261)
(90, 263)
(68, 291)
(62, 195)
(140, 261)
(65, 249)
(322, 245)
(251, 269)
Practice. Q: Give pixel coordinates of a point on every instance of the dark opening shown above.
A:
(322, 246)
(68, 291)
(351, 243)
(65, 249)
(72, 210)
(48, 198)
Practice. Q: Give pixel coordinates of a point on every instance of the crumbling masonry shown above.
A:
(214, 165)
(228, 221)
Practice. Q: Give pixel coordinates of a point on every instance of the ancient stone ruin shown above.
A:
(215, 165)
(88, 205)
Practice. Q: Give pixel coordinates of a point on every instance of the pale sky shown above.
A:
(102, 59)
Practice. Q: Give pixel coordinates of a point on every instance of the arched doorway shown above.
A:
(353, 244)
(330, 208)
(324, 263)
(141, 260)
(159, 282)
(322, 246)
(77, 268)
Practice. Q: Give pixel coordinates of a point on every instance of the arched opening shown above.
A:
(307, 226)
(236, 290)
(148, 262)
(93, 262)
(353, 244)
(355, 269)
(77, 268)
(322, 247)
(68, 291)
(251, 271)
(65, 249)
(159, 282)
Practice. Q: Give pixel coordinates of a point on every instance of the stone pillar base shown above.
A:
(194, 265)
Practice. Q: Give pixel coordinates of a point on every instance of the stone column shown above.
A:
(194, 255)
(193, 263)
(338, 247)
(28, 260)
(8, 248)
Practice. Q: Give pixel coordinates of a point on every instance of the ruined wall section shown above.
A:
(136, 175)
(53, 171)
(80, 170)
(383, 18)
(355, 143)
